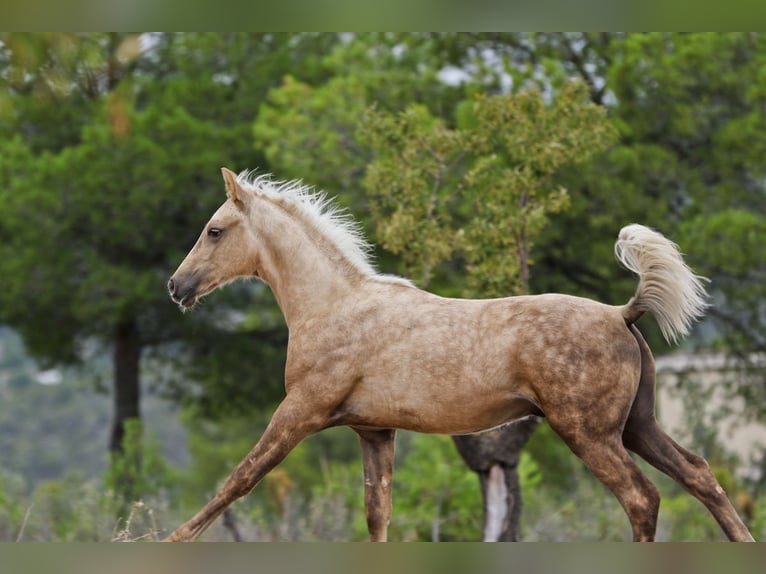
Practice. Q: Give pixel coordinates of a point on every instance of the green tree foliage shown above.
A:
(111, 150)
(309, 128)
(521, 144)
(515, 144)
(413, 187)
(110, 146)
(138, 470)
(574, 254)
(485, 189)
(309, 133)
(713, 130)
(689, 111)
(435, 493)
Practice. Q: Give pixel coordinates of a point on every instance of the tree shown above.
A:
(502, 164)
(110, 153)
(712, 134)
(418, 184)
(102, 130)
(691, 132)
(688, 110)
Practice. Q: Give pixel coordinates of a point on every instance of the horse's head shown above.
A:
(223, 252)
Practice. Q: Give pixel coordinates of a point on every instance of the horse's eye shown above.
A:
(214, 232)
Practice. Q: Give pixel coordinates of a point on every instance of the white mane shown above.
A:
(327, 218)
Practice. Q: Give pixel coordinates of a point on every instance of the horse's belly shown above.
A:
(440, 413)
(480, 418)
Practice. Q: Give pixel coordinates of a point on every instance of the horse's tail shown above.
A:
(667, 287)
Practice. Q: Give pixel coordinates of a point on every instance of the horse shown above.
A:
(373, 352)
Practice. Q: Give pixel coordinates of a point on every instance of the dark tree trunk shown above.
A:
(126, 361)
(494, 456)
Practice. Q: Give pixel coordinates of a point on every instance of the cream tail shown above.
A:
(667, 287)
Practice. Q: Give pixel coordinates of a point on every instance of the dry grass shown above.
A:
(139, 526)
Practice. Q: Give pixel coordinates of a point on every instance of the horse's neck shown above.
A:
(305, 276)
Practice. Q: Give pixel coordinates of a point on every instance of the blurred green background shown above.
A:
(119, 416)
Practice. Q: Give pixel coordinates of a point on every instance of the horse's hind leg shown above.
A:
(649, 441)
(611, 464)
(378, 462)
(643, 436)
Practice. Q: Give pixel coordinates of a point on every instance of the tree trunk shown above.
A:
(126, 459)
(126, 361)
(494, 456)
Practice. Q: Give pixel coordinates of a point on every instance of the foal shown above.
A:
(375, 353)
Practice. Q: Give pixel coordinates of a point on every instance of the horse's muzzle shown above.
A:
(182, 293)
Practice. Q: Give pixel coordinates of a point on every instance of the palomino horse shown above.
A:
(375, 353)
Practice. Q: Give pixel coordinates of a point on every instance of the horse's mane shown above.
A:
(320, 212)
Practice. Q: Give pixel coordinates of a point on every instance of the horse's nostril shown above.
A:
(172, 286)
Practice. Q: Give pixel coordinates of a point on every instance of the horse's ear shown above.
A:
(233, 190)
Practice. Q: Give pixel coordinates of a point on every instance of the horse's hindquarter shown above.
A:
(430, 364)
(581, 361)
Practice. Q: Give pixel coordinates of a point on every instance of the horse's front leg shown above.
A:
(378, 461)
(295, 419)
